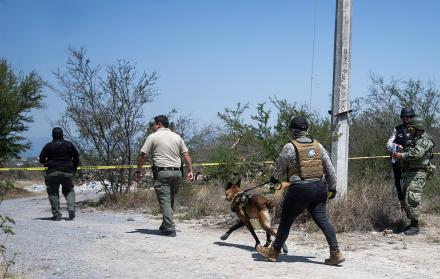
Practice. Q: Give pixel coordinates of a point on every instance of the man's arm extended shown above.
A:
(188, 163)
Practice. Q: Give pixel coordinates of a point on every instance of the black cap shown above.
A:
(299, 123)
(407, 112)
(57, 133)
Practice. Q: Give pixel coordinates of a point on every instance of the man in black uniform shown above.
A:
(396, 143)
(61, 159)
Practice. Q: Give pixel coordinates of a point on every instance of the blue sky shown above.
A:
(210, 55)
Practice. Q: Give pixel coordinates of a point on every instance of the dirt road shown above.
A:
(117, 245)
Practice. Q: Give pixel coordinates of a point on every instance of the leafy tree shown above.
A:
(258, 141)
(19, 94)
(104, 114)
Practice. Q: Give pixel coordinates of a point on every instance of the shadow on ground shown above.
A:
(289, 259)
(146, 231)
(239, 246)
(50, 219)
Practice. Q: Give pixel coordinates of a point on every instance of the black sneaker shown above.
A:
(168, 233)
(406, 228)
(161, 228)
(411, 231)
(71, 214)
(56, 218)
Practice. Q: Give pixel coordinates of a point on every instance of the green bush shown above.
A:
(6, 230)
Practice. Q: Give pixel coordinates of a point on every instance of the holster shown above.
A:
(155, 171)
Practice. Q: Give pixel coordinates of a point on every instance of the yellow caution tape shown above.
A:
(371, 157)
(148, 166)
(80, 168)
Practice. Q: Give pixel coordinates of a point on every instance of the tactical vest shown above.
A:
(401, 136)
(421, 163)
(309, 160)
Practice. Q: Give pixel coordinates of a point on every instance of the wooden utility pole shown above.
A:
(340, 95)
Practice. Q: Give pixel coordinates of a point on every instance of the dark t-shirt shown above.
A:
(60, 155)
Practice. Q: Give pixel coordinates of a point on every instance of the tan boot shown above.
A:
(268, 252)
(335, 258)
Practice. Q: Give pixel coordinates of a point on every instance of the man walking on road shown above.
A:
(414, 161)
(307, 164)
(61, 159)
(165, 149)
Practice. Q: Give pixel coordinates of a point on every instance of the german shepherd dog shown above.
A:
(248, 207)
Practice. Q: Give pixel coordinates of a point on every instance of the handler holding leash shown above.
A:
(307, 163)
(165, 148)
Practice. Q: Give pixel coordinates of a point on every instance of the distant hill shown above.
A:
(37, 145)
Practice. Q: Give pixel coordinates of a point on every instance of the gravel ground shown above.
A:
(128, 245)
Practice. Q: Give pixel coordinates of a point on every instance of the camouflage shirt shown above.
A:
(287, 158)
(417, 152)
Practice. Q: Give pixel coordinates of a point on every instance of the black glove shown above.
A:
(273, 180)
(331, 194)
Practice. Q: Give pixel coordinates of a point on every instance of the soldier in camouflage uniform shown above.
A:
(414, 160)
(307, 164)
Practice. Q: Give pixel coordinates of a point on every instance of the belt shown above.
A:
(168, 168)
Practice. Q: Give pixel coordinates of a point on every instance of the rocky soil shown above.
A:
(128, 245)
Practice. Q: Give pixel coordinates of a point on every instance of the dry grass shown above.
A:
(13, 189)
(143, 200)
(193, 201)
(431, 195)
(368, 205)
(8, 275)
(197, 201)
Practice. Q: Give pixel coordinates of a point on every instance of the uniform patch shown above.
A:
(311, 153)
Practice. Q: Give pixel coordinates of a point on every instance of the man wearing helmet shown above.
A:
(414, 160)
(397, 142)
(308, 165)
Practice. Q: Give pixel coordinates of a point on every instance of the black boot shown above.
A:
(56, 218)
(413, 228)
(71, 214)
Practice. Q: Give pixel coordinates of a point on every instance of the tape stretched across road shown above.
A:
(148, 166)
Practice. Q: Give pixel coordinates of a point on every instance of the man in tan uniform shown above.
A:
(165, 148)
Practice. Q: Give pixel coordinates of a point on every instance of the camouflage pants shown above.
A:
(413, 183)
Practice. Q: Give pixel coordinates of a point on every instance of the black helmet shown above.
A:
(407, 112)
(299, 123)
(417, 122)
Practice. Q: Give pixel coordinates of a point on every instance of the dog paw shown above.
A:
(224, 237)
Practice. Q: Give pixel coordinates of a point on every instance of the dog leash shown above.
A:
(259, 185)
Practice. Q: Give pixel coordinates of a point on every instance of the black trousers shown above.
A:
(313, 197)
(397, 171)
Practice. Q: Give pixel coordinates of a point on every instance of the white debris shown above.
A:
(92, 186)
